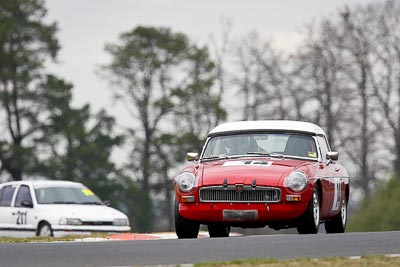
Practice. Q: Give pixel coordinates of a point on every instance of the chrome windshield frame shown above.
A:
(319, 157)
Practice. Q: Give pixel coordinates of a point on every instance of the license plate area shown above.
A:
(240, 215)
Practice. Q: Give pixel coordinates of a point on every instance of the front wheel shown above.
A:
(309, 222)
(218, 230)
(338, 223)
(185, 228)
(44, 230)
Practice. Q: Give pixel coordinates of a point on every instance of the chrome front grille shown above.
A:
(235, 193)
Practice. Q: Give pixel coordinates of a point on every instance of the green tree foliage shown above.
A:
(25, 43)
(166, 85)
(143, 71)
(380, 212)
(135, 202)
(44, 136)
(77, 146)
(198, 108)
(80, 143)
(143, 68)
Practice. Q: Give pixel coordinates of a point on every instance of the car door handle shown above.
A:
(336, 169)
(13, 213)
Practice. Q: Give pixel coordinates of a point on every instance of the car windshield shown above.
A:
(66, 195)
(272, 144)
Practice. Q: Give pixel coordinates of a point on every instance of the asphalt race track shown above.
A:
(173, 251)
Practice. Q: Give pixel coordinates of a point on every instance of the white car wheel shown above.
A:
(338, 223)
(309, 222)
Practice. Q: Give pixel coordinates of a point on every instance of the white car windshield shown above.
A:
(284, 144)
(66, 195)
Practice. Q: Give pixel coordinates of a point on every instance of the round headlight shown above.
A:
(296, 181)
(186, 181)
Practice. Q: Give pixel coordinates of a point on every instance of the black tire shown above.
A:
(309, 222)
(218, 230)
(338, 223)
(44, 229)
(185, 228)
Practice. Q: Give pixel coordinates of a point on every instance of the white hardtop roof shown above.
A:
(268, 125)
(43, 183)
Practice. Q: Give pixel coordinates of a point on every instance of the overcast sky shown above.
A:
(86, 25)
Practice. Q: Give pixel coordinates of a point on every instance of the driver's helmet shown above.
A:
(236, 144)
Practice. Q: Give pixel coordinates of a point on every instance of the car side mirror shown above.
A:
(107, 203)
(332, 155)
(192, 156)
(27, 204)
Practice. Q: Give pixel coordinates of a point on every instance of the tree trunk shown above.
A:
(330, 120)
(396, 164)
(168, 200)
(146, 164)
(365, 141)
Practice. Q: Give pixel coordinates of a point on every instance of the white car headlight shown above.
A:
(121, 222)
(70, 221)
(296, 181)
(186, 181)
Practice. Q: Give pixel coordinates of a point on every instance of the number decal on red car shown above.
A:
(337, 194)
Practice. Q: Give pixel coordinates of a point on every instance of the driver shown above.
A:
(236, 144)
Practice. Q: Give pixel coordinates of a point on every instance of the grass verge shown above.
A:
(381, 261)
(6, 239)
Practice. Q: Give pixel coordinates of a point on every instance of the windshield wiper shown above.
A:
(214, 158)
(91, 203)
(276, 155)
(62, 202)
(258, 153)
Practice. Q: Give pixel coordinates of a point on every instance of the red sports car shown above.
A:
(257, 173)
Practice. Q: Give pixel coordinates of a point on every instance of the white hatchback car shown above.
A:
(55, 208)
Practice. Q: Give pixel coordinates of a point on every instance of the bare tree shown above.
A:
(261, 79)
(243, 62)
(345, 76)
(355, 29)
(220, 50)
(386, 73)
(320, 67)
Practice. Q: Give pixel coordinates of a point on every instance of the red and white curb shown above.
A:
(135, 236)
(140, 236)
